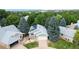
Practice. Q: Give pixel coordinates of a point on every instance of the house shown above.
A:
(67, 33)
(9, 35)
(39, 33)
(74, 25)
(37, 30)
(77, 24)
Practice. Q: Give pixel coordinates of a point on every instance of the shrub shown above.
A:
(76, 38)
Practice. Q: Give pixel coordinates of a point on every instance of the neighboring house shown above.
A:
(9, 35)
(77, 24)
(74, 25)
(37, 30)
(67, 33)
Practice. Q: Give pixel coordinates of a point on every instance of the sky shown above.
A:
(39, 4)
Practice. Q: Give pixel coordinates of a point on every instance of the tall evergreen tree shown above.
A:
(63, 22)
(53, 29)
(3, 22)
(23, 25)
(46, 22)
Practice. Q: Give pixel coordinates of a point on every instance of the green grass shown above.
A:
(31, 45)
(62, 44)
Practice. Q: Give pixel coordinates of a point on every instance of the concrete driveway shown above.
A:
(2, 47)
(18, 46)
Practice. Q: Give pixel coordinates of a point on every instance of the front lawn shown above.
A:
(31, 45)
(62, 44)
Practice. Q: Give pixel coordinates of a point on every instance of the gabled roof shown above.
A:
(38, 30)
(6, 32)
(67, 31)
(9, 28)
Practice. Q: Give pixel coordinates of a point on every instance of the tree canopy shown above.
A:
(12, 19)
